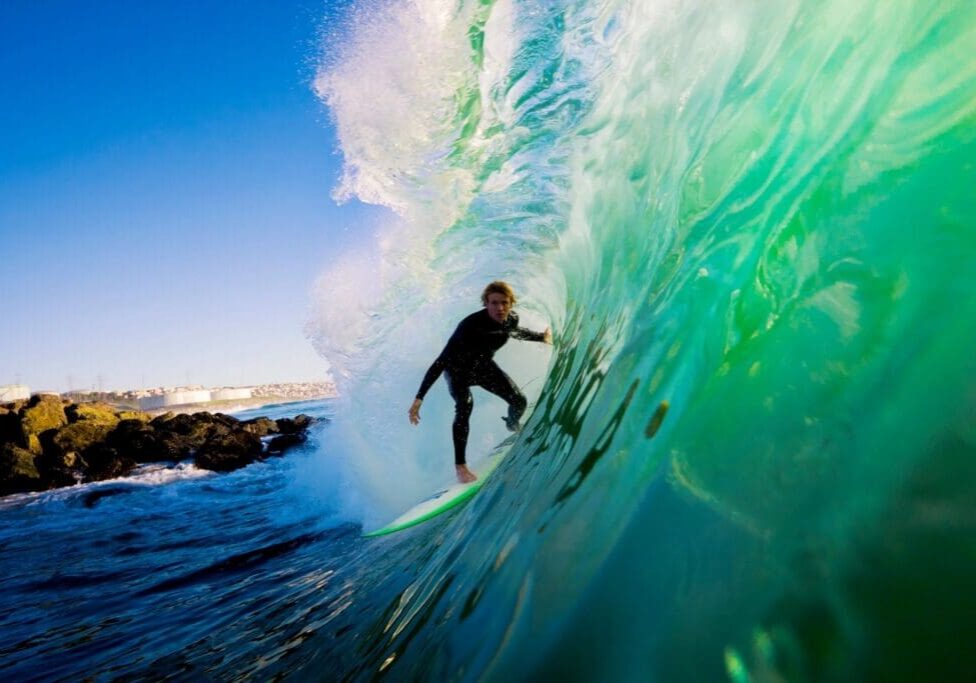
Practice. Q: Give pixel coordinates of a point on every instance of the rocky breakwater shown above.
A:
(47, 442)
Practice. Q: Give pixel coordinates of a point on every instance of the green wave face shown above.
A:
(753, 227)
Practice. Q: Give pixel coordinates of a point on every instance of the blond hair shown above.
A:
(498, 287)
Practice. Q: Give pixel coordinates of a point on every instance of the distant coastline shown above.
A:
(258, 395)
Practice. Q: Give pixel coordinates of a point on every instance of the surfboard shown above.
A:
(448, 498)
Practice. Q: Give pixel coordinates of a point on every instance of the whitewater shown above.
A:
(750, 452)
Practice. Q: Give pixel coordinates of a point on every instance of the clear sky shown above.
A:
(165, 179)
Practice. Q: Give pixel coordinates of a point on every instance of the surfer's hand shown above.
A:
(414, 411)
(547, 336)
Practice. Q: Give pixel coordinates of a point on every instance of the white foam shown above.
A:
(391, 92)
(148, 475)
(158, 474)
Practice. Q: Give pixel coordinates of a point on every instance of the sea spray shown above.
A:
(432, 133)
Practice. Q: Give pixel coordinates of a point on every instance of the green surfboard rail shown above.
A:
(405, 521)
(462, 497)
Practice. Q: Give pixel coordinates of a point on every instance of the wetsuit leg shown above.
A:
(463, 404)
(494, 379)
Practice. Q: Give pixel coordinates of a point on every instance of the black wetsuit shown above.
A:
(466, 361)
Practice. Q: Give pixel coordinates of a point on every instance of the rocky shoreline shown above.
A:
(48, 442)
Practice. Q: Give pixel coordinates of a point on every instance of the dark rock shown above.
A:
(161, 420)
(226, 420)
(100, 413)
(104, 462)
(61, 459)
(137, 440)
(176, 446)
(42, 413)
(230, 451)
(178, 424)
(9, 426)
(55, 474)
(215, 430)
(18, 471)
(293, 425)
(283, 442)
(286, 425)
(15, 406)
(76, 437)
(194, 430)
(262, 426)
(47, 442)
(134, 415)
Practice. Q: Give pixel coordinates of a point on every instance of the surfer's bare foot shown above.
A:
(464, 475)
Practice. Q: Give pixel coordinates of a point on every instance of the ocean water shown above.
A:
(750, 452)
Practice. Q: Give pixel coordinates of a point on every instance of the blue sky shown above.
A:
(165, 178)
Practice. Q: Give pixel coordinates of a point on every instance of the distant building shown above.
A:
(174, 398)
(230, 394)
(14, 392)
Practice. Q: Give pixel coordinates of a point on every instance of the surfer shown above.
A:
(466, 361)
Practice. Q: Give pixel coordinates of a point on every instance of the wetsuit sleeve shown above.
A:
(433, 372)
(517, 332)
(527, 335)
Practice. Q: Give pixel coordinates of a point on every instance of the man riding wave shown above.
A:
(467, 361)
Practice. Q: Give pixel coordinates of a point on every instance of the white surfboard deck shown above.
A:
(447, 498)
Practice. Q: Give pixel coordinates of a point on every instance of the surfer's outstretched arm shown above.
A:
(528, 335)
(433, 372)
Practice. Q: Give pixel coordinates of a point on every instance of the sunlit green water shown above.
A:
(753, 227)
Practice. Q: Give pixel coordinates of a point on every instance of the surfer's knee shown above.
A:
(464, 406)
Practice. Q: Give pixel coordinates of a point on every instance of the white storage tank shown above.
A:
(174, 398)
(230, 394)
(150, 402)
(14, 392)
(181, 398)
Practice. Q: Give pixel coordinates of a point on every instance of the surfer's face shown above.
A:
(499, 306)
